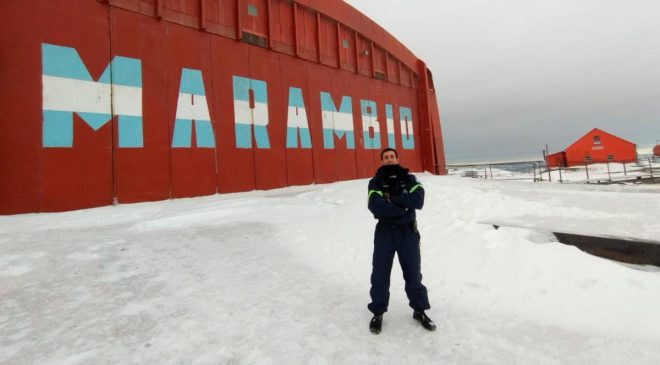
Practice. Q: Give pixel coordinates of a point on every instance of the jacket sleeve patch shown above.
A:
(375, 191)
(412, 190)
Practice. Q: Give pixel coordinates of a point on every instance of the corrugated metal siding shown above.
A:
(283, 36)
(347, 53)
(307, 34)
(329, 43)
(221, 17)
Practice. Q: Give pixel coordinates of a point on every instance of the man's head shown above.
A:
(389, 157)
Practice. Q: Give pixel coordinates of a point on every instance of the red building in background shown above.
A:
(597, 146)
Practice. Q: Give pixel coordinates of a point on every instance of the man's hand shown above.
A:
(386, 196)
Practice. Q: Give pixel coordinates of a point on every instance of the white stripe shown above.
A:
(338, 121)
(297, 120)
(390, 126)
(326, 118)
(343, 121)
(243, 114)
(191, 106)
(81, 96)
(369, 121)
(71, 95)
(403, 128)
(127, 100)
(260, 114)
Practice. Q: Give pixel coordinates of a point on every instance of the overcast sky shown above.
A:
(513, 75)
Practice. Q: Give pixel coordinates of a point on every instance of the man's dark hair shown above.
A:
(387, 150)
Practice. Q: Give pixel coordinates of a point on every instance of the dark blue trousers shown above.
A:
(388, 240)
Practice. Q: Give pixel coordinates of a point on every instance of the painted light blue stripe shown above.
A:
(260, 89)
(329, 141)
(126, 71)
(191, 82)
(95, 120)
(371, 143)
(388, 111)
(350, 140)
(305, 139)
(204, 134)
(123, 71)
(242, 86)
(57, 129)
(391, 140)
(106, 76)
(368, 142)
(292, 137)
(328, 105)
(261, 135)
(328, 138)
(368, 103)
(296, 98)
(130, 131)
(405, 112)
(243, 135)
(182, 136)
(64, 62)
(408, 144)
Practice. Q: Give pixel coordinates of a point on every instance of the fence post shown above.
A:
(650, 168)
(624, 169)
(491, 171)
(586, 168)
(609, 176)
(560, 179)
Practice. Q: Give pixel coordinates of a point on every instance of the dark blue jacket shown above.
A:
(406, 195)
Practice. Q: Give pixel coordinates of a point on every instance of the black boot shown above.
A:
(376, 324)
(424, 320)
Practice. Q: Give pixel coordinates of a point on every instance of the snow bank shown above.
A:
(282, 276)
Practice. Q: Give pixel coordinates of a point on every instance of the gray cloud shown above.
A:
(513, 75)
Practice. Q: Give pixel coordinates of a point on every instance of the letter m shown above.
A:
(68, 88)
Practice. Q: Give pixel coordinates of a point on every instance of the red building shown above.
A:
(597, 146)
(122, 101)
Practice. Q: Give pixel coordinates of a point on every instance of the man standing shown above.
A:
(394, 195)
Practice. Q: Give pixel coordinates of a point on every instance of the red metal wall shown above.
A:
(316, 46)
(619, 149)
(556, 159)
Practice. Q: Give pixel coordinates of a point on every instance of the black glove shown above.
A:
(386, 172)
(393, 177)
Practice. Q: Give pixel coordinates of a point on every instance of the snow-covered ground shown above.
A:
(593, 173)
(282, 277)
